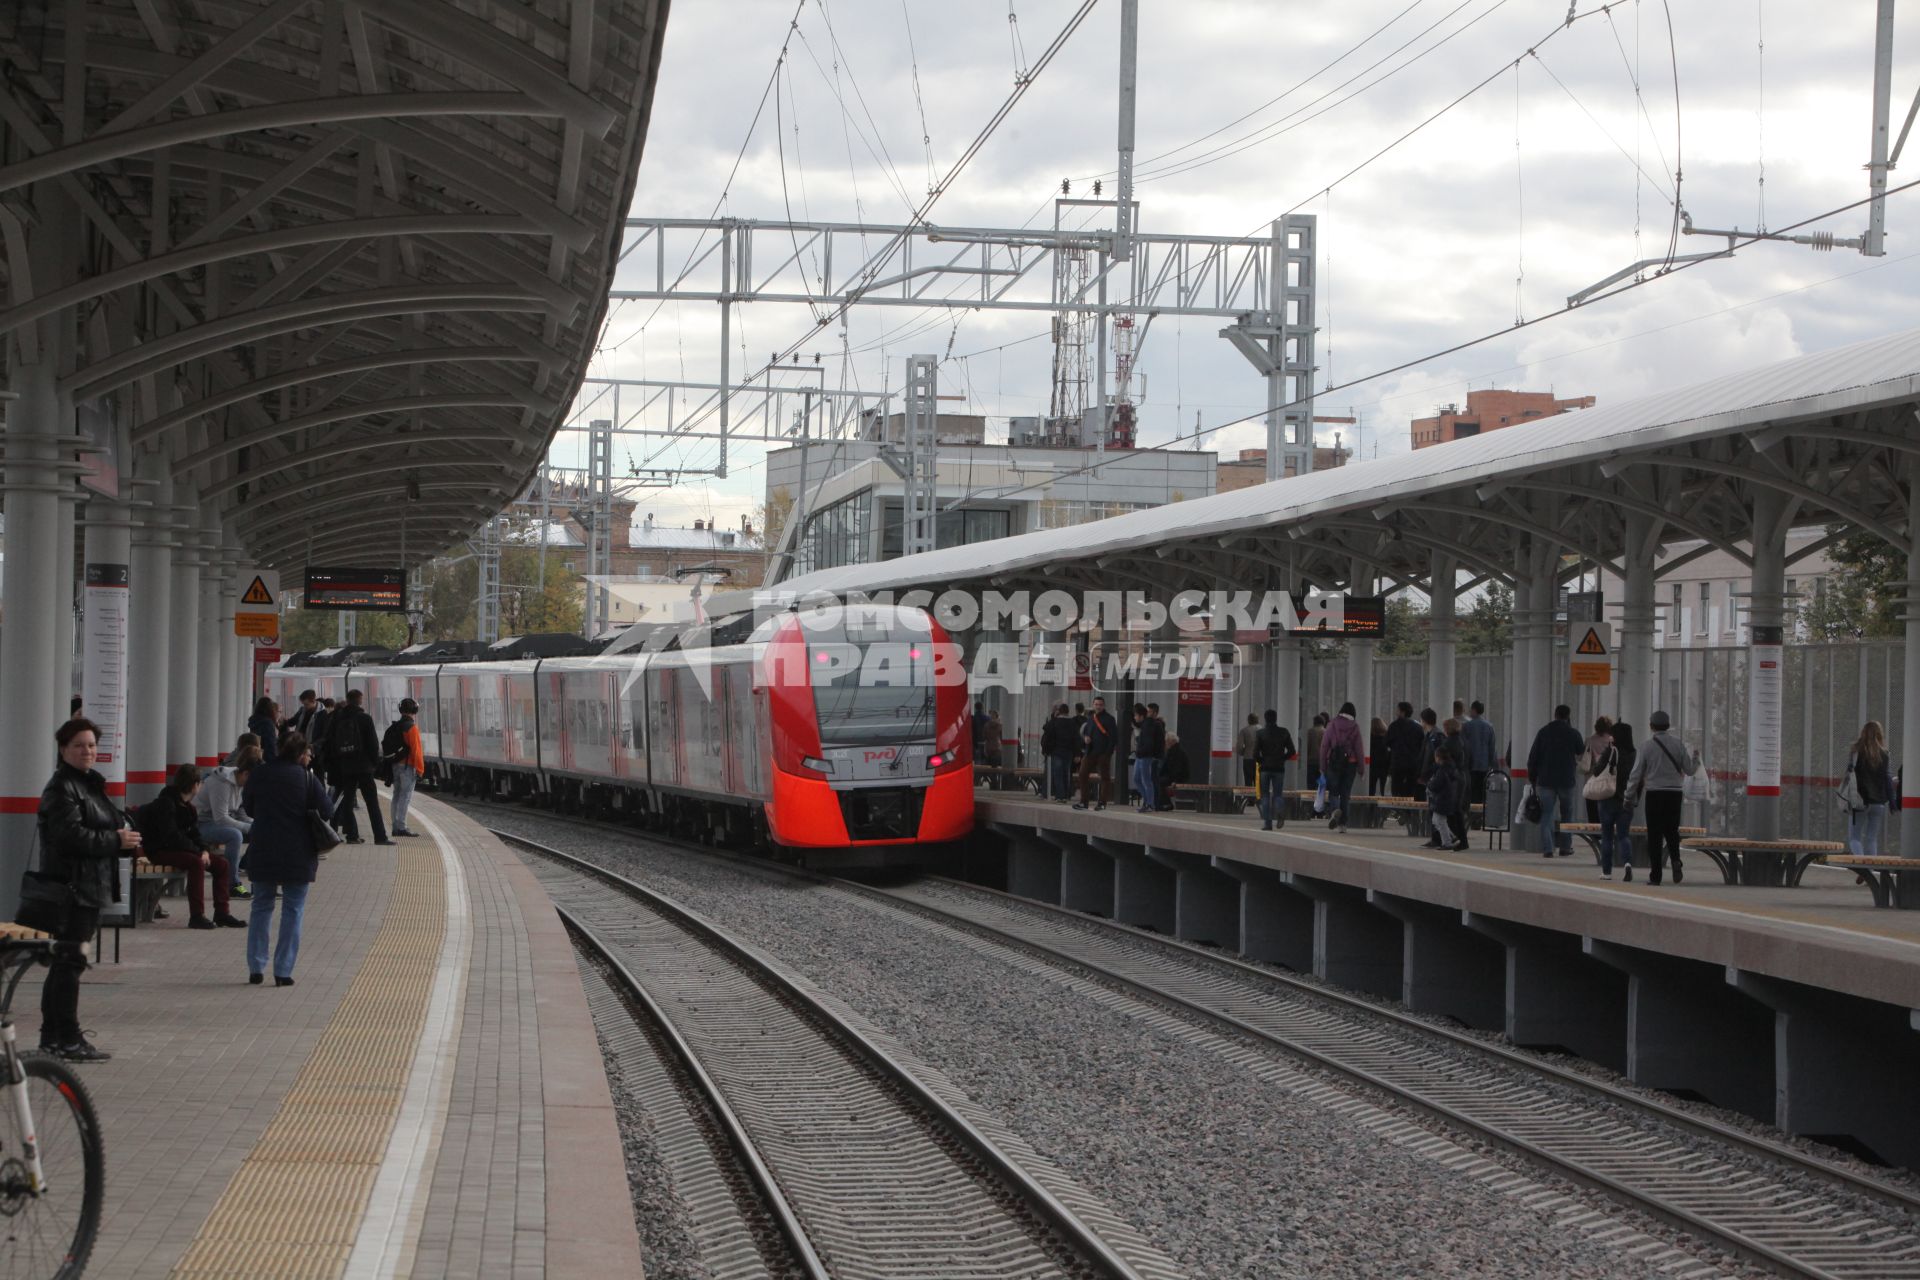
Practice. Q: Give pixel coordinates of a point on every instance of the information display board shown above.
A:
(376, 590)
(1364, 617)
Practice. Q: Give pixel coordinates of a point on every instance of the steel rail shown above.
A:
(1077, 1236)
(745, 1150)
(1731, 1238)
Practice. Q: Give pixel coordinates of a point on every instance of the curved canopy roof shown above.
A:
(343, 263)
(1834, 435)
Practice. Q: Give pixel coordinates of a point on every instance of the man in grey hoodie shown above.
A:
(1660, 774)
(220, 818)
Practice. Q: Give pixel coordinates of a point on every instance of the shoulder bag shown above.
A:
(1604, 783)
(325, 834)
(46, 901)
(1848, 792)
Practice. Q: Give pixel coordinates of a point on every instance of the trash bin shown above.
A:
(1497, 815)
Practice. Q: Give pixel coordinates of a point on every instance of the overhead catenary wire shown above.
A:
(1735, 243)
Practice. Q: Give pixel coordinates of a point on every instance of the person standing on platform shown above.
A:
(322, 724)
(353, 747)
(1056, 744)
(1597, 743)
(282, 859)
(400, 747)
(170, 830)
(1340, 752)
(220, 817)
(995, 733)
(1316, 734)
(81, 836)
(1147, 746)
(1377, 756)
(302, 722)
(1273, 748)
(1483, 751)
(1431, 740)
(265, 720)
(1447, 801)
(1616, 811)
(1659, 778)
(1099, 739)
(1553, 766)
(1247, 746)
(1403, 751)
(1872, 770)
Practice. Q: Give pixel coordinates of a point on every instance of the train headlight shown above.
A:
(935, 761)
(816, 764)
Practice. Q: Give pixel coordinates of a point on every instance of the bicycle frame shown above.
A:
(16, 1085)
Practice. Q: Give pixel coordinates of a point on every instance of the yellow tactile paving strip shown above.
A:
(295, 1205)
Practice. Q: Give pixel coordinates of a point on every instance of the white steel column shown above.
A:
(65, 577)
(1533, 685)
(1910, 690)
(205, 713)
(1440, 635)
(32, 706)
(1766, 620)
(149, 623)
(107, 573)
(1360, 582)
(1637, 620)
(184, 635)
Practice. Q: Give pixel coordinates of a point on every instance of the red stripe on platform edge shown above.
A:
(138, 776)
(116, 788)
(1223, 755)
(19, 804)
(206, 762)
(1763, 791)
(1910, 802)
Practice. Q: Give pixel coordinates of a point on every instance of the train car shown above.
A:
(840, 737)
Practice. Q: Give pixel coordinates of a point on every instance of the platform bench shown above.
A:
(1212, 797)
(1895, 882)
(1637, 840)
(1773, 863)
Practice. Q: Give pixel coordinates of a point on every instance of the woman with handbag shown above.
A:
(82, 836)
(1870, 770)
(1607, 790)
(283, 855)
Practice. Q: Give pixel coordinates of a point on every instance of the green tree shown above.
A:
(1862, 596)
(1487, 627)
(1405, 632)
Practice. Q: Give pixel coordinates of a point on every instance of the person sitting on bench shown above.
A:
(170, 835)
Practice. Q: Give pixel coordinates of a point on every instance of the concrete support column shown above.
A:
(149, 623)
(1440, 635)
(1558, 997)
(183, 648)
(1766, 659)
(1086, 875)
(1637, 695)
(1206, 901)
(1143, 890)
(32, 706)
(1354, 945)
(1033, 865)
(1446, 968)
(107, 575)
(1276, 923)
(1910, 711)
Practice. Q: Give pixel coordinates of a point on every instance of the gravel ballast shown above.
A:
(1231, 1176)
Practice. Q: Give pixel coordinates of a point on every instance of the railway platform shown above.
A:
(1798, 1006)
(427, 1099)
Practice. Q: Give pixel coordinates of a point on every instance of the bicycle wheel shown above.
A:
(52, 1233)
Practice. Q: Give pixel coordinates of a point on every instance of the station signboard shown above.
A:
(1590, 655)
(374, 590)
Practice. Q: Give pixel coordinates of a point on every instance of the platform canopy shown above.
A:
(342, 261)
(1835, 433)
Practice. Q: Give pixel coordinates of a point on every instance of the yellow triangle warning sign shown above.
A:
(1592, 643)
(257, 593)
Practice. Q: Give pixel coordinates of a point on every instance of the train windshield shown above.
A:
(872, 685)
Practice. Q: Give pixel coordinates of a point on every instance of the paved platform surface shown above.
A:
(1825, 933)
(428, 1099)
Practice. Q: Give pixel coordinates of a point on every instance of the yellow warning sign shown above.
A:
(1592, 644)
(257, 593)
(258, 626)
(1591, 661)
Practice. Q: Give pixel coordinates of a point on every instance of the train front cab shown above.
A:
(867, 729)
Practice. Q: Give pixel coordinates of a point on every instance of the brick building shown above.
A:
(1491, 411)
(1250, 468)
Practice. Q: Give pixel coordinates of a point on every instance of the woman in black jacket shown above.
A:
(265, 722)
(81, 837)
(281, 858)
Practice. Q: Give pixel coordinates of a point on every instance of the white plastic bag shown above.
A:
(1320, 798)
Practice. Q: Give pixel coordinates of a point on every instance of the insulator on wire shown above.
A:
(1822, 241)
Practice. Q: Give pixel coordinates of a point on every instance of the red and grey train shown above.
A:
(832, 730)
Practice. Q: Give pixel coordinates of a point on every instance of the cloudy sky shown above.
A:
(1554, 183)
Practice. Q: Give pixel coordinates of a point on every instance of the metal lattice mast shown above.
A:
(923, 461)
(599, 522)
(486, 600)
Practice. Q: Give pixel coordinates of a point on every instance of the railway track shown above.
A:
(862, 1169)
(1767, 1202)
